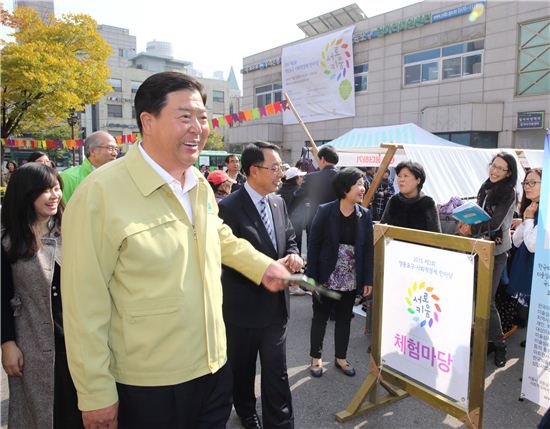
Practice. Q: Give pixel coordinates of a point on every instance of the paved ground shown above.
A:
(317, 400)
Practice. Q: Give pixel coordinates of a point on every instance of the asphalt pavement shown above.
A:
(316, 400)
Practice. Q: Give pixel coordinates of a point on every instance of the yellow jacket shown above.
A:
(141, 290)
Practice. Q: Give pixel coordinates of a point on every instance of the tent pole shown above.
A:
(390, 152)
(314, 149)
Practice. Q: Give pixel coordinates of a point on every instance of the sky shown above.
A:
(214, 34)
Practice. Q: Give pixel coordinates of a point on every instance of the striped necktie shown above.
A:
(265, 219)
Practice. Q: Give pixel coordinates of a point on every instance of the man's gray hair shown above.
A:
(94, 140)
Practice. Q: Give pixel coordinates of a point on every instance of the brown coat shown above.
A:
(32, 395)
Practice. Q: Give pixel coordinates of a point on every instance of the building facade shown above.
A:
(474, 73)
(115, 113)
(122, 42)
(45, 8)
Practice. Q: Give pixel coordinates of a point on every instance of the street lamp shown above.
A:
(72, 120)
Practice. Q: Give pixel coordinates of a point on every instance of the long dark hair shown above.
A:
(524, 200)
(496, 192)
(18, 213)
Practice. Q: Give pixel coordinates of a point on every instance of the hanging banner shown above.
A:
(428, 294)
(318, 77)
(535, 384)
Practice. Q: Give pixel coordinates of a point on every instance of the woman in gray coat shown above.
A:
(42, 394)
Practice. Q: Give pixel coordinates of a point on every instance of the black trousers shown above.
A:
(204, 402)
(322, 308)
(66, 414)
(243, 347)
(495, 325)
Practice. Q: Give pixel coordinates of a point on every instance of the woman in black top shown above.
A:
(340, 256)
(411, 208)
(42, 394)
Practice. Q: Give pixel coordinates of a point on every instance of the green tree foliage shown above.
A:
(60, 131)
(214, 142)
(49, 68)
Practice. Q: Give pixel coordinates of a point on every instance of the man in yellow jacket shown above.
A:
(142, 254)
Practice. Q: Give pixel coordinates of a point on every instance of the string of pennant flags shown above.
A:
(61, 144)
(250, 114)
(218, 122)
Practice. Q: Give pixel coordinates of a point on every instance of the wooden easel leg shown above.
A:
(472, 420)
(356, 406)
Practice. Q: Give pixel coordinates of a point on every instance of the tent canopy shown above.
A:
(451, 169)
(456, 171)
(361, 138)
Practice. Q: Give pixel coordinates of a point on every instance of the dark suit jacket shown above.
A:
(316, 189)
(324, 240)
(246, 304)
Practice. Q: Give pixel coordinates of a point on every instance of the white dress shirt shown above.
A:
(181, 192)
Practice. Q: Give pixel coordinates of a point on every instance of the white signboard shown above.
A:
(318, 77)
(535, 384)
(427, 316)
(367, 159)
(204, 160)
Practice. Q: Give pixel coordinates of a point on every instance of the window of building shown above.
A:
(133, 112)
(218, 96)
(125, 53)
(534, 58)
(361, 72)
(114, 110)
(448, 62)
(135, 86)
(478, 139)
(268, 94)
(116, 84)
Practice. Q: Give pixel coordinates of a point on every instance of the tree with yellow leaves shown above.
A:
(49, 68)
(214, 142)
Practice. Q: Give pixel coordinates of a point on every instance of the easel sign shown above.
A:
(423, 308)
(427, 335)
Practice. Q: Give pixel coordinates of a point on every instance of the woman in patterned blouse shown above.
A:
(340, 256)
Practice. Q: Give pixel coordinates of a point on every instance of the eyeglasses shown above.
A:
(498, 168)
(112, 149)
(530, 183)
(274, 169)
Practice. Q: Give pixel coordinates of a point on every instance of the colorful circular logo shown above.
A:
(423, 305)
(335, 61)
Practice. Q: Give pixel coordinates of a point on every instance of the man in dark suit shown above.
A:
(317, 186)
(256, 318)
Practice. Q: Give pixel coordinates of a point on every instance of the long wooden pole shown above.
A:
(314, 149)
(390, 152)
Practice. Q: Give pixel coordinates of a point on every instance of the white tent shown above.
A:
(451, 169)
(456, 171)
(360, 147)
(361, 138)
